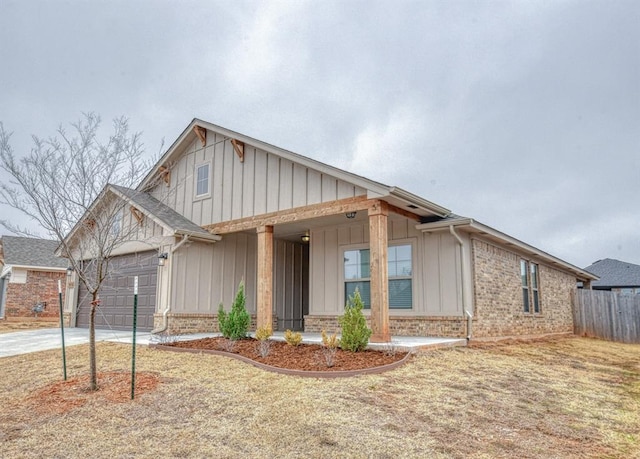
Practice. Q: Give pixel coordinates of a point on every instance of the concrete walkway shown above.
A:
(24, 342)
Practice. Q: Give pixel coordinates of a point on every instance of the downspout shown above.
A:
(468, 315)
(165, 313)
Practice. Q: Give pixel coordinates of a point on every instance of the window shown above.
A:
(202, 180)
(116, 225)
(524, 270)
(534, 288)
(400, 268)
(530, 286)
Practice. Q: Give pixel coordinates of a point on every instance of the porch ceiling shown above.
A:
(295, 230)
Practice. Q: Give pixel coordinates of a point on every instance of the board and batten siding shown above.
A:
(204, 275)
(263, 183)
(437, 283)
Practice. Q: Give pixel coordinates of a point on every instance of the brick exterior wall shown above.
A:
(184, 324)
(499, 309)
(455, 327)
(40, 287)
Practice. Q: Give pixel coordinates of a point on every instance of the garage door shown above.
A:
(116, 294)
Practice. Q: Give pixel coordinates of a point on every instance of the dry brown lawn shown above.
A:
(21, 324)
(570, 398)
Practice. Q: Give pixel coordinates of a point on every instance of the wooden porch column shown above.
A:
(265, 276)
(378, 242)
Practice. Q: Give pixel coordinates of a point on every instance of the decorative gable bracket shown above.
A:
(165, 175)
(137, 214)
(238, 146)
(201, 133)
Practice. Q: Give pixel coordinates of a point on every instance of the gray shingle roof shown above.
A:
(27, 251)
(615, 273)
(151, 206)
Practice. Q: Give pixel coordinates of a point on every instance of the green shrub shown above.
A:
(293, 338)
(355, 333)
(235, 324)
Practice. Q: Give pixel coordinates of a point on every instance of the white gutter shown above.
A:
(418, 201)
(477, 227)
(206, 237)
(462, 281)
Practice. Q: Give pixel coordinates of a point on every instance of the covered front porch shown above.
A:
(300, 224)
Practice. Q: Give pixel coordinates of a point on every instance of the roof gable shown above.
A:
(393, 195)
(159, 212)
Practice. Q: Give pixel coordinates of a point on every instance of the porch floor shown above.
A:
(411, 343)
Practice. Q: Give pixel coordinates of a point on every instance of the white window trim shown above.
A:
(195, 180)
(392, 243)
(529, 287)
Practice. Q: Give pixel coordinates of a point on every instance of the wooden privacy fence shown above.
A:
(606, 315)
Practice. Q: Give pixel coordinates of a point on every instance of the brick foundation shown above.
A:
(454, 327)
(187, 323)
(41, 287)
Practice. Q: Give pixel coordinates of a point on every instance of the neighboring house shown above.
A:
(615, 275)
(220, 207)
(29, 274)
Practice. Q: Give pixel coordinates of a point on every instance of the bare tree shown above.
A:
(63, 186)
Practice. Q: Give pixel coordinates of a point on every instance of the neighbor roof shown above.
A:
(31, 252)
(615, 273)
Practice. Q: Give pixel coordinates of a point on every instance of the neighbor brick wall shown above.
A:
(40, 287)
(499, 307)
(455, 327)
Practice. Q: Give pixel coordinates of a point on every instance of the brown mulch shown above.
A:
(305, 357)
(115, 386)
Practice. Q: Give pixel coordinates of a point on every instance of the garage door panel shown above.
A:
(116, 294)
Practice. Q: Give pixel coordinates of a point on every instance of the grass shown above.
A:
(21, 324)
(570, 398)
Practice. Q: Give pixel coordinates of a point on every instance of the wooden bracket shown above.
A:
(137, 214)
(201, 133)
(238, 146)
(165, 174)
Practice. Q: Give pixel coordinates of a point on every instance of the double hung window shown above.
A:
(202, 180)
(530, 286)
(400, 270)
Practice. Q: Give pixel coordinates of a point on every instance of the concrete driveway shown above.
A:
(43, 339)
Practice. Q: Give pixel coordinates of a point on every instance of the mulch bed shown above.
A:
(115, 386)
(305, 357)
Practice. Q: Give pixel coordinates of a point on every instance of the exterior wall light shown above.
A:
(351, 214)
(306, 238)
(162, 258)
(69, 272)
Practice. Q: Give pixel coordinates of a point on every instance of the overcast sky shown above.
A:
(524, 115)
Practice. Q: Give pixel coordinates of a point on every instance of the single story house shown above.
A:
(220, 207)
(615, 275)
(29, 274)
